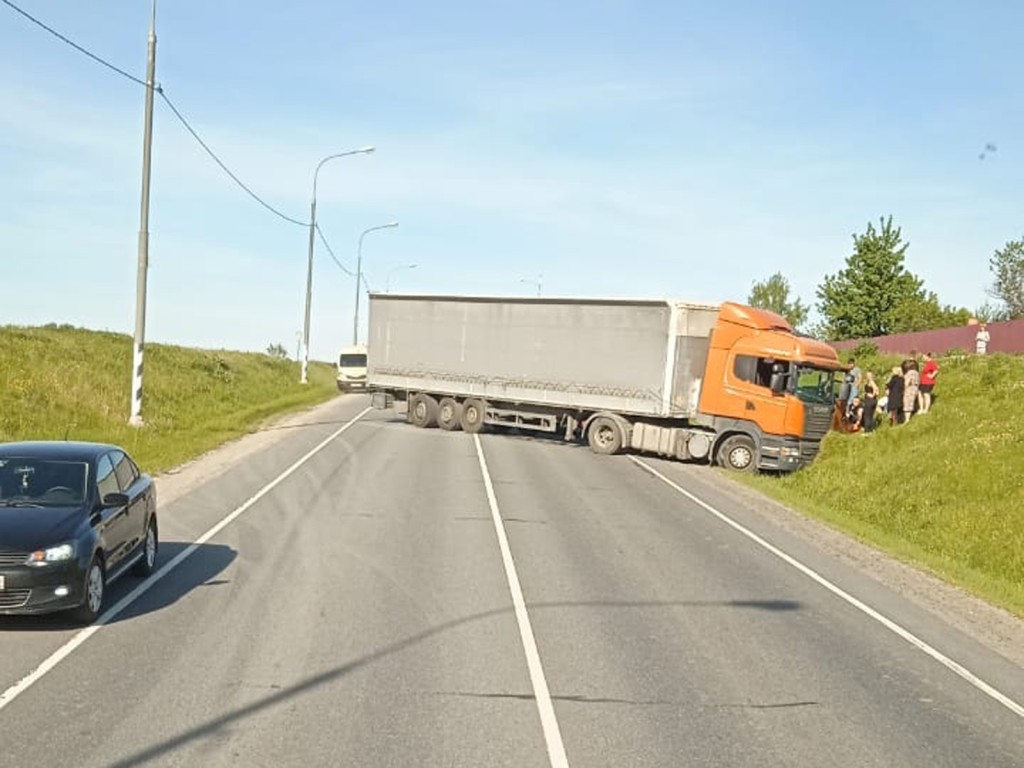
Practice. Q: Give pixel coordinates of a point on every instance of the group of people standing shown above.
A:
(908, 392)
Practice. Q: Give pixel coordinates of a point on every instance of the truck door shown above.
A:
(749, 394)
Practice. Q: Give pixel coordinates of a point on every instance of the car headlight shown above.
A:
(52, 555)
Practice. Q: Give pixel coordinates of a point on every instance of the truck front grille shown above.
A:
(817, 421)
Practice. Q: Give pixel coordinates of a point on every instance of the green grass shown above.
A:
(945, 491)
(58, 382)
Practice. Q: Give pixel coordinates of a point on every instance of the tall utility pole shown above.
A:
(303, 375)
(135, 419)
(359, 276)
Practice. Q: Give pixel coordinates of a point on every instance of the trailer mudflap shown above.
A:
(382, 401)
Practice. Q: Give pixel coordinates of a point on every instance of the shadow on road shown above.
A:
(284, 694)
(205, 563)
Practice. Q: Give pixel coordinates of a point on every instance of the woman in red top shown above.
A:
(928, 375)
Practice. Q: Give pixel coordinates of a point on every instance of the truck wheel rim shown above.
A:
(605, 436)
(741, 457)
(472, 414)
(447, 412)
(420, 410)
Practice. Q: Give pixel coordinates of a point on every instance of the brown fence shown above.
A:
(1005, 337)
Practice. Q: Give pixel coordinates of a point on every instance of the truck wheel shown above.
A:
(604, 436)
(449, 414)
(343, 388)
(423, 410)
(738, 453)
(474, 411)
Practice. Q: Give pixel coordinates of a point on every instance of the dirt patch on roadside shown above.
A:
(186, 477)
(988, 624)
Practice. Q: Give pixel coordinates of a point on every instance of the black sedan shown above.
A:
(73, 517)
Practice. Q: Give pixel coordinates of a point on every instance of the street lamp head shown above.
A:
(391, 224)
(367, 149)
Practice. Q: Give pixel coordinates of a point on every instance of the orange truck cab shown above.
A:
(768, 393)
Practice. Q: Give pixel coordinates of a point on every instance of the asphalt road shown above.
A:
(360, 613)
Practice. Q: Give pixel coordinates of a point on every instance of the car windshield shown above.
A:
(353, 361)
(42, 482)
(815, 385)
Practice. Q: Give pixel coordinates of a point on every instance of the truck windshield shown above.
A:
(352, 361)
(814, 385)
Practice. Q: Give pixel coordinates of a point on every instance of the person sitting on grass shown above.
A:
(855, 416)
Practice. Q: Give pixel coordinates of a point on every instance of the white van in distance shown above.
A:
(352, 368)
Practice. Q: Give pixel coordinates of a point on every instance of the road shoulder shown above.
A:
(176, 482)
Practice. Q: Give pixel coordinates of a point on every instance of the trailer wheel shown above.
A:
(604, 436)
(449, 414)
(423, 410)
(738, 453)
(474, 412)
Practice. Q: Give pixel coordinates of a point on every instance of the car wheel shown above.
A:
(150, 546)
(738, 453)
(94, 592)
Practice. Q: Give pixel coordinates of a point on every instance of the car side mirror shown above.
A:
(778, 383)
(115, 500)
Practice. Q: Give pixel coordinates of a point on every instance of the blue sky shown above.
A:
(617, 148)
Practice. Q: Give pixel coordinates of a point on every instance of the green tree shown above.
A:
(990, 313)
(278, 351)
(924, 312)
(1007, 267)
(773, 294)
(864, 299)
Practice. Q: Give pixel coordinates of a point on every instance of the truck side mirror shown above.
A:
(778, 383)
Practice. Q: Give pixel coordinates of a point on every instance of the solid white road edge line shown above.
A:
(886, 622)
(111, 613)
(552, 735)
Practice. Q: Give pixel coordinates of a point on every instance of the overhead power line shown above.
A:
(73, 44)
(330, 250)
(176, 112)
(223, 167)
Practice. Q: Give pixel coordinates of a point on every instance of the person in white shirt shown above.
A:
(982, 339)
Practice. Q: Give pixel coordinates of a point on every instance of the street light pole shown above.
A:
(359, 275)
(539, 282)
(303, 377)
(387, 280)
(135, 419)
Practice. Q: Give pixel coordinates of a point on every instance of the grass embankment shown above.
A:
(945, 491)
(58, 382)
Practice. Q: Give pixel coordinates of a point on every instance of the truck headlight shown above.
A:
(787, 451)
